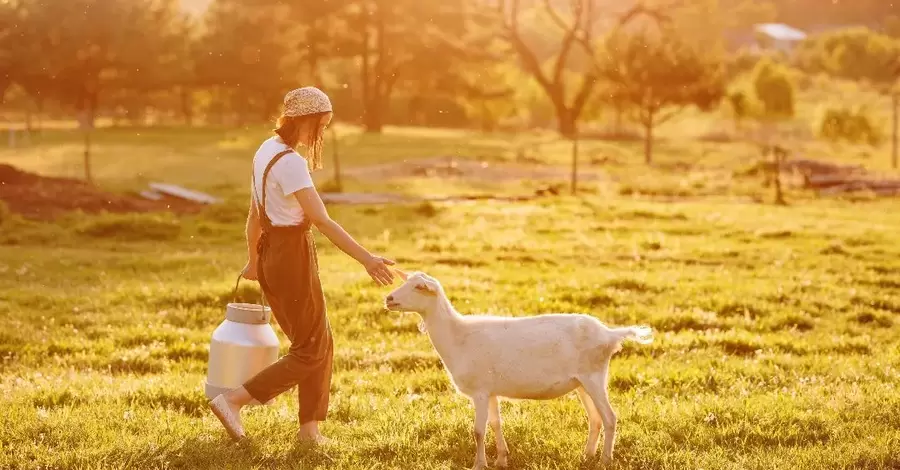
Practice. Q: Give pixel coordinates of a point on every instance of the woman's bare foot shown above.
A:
(228, 416)
(227, 407)
(309, 432)
(237, 399)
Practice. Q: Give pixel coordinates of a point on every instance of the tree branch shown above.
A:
(584, 92)
(583, 39)
(663, 118)
(562, 59)
(529, 60)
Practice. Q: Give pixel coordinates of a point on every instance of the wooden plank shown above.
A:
(184, 193)
(151, 195)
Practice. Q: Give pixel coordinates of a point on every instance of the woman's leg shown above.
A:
(289, 277)
(237, 399)
(313, 396)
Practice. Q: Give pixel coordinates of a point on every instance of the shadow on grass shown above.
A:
(248, 453)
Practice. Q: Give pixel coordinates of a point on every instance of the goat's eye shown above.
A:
(421, 287)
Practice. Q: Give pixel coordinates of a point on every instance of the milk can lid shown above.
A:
(252, 314)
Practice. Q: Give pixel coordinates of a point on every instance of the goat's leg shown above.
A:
(596, 386)
(594, 423)
(482, 405)
(494, 419)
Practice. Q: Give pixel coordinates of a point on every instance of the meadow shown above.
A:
(776, 344)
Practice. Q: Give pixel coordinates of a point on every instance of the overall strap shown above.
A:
(261, 206)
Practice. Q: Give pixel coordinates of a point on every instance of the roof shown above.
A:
(781, 32)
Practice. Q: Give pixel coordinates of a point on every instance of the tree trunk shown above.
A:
(187, 106)
(896, 102)
(40, 114)
(648, 139)
(339, 187)
(4, 86)
(575, 161)
(87, 156)
(566, 121)
(779, 155)
(90, 112)
(372, 119)
(618, 129)
(312, 53)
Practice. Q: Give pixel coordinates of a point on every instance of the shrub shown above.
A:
(851, 125)
(131, 227)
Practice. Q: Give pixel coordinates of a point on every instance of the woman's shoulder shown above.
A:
(272, 145)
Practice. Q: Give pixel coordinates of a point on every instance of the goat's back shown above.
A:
(529, 357)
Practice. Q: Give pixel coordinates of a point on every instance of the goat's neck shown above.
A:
(444, 324)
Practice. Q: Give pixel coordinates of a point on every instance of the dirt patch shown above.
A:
(42, 197)
(365, 198)
(450, 167)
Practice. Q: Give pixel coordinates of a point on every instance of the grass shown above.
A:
(776, 327)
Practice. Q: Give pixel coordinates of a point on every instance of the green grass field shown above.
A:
(777, 342)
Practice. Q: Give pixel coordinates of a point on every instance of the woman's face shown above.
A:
(307, 134)
(326, 120)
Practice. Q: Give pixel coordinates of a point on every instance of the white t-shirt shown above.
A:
(289, 175)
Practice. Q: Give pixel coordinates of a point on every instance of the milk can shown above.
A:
(242, 345)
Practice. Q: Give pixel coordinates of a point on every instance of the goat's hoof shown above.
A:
(501, 462)
(478, 466)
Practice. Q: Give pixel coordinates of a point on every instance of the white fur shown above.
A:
(538, 357)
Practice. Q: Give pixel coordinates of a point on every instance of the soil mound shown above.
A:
(42, 197)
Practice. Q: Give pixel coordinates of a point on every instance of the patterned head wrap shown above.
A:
(306, 100)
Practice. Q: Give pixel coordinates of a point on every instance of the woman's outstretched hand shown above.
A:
(377, 267)
(249, 271)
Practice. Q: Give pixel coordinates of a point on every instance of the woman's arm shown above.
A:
(314, 210)
(253, 232)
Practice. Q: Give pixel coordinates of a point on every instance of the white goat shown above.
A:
(539, 357)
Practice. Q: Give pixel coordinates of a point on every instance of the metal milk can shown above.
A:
(242, 345)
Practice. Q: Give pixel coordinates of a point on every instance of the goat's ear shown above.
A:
(401, 274)
(426, 288)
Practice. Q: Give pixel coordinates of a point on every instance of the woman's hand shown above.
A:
(249, 271)
(377, 267)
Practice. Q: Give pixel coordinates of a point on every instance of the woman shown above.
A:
(282, 252)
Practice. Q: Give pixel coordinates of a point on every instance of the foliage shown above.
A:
(892, 26)
(657, 74)
(854, 125)
(742, 104)
(854, 54)
(774, 89)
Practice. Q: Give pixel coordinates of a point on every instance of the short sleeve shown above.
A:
(293, 174)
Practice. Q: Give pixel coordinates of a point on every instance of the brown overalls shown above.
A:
(288, 272)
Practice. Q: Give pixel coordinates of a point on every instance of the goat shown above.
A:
(539, 357)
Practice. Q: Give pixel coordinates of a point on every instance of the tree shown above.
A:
(576, 22)
(103, 45)
(775, 93)
(489, 95)
(774, 90)
(741, 106)
(659, 74)
(386, 55)
(852, 54)
(892, 26)
(858, 54)
(246, 58)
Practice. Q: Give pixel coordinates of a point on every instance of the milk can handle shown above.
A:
(262, 295)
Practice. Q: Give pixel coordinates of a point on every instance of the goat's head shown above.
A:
(420, 293)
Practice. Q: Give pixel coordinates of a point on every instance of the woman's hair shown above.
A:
(291, 128)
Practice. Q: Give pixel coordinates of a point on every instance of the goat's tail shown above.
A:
(640, 334)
